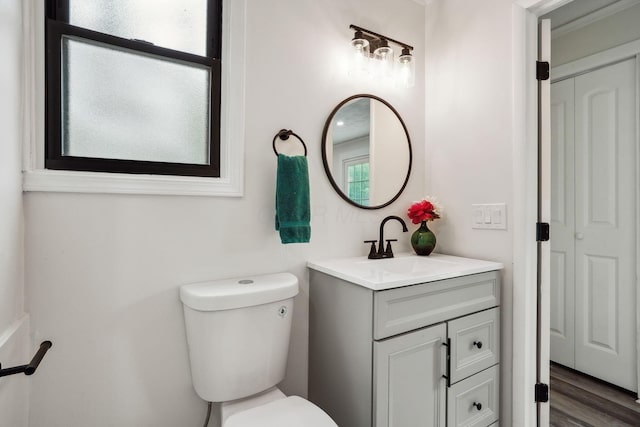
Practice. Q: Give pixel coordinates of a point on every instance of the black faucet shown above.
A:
(382, 252)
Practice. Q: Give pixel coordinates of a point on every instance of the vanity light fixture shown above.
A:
(374, 57)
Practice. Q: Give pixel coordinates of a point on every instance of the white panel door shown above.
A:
(605, 230)
(562, 223)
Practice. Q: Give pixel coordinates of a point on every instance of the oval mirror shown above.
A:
(366, 151)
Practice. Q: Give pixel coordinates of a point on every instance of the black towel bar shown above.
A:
(284, 134)
(32, 366)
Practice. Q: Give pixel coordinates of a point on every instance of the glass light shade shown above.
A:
(383, 56)
(406, 69)
(384, 52)
(359, 61)
(359, 42)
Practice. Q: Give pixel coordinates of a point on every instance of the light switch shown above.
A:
(496, 216)
(478, 214)
(499, 216)
(489, 216)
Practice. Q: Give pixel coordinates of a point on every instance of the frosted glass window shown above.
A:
(118, 104)
(179, 25)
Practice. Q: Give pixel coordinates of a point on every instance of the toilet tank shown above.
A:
(238, 333)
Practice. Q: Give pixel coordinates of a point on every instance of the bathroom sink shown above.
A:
(403, 270)
(410, 265)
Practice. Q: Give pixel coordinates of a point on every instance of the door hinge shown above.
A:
(542, 392)
(542, 70)
(542, 232)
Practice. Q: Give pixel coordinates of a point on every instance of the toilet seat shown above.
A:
(292, 411)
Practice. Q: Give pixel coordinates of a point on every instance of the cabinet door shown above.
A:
(409, 388)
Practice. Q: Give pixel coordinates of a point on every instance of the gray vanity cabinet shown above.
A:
(421, 355)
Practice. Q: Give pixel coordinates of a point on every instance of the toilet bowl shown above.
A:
(273, 408)
(238, 338)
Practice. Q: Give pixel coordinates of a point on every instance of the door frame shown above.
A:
(525, 177)
(584, 65)
(525, 174)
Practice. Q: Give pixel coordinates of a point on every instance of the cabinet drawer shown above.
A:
(412, 307)
(475, 343)
(474, 402)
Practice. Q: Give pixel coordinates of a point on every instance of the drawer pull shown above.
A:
(478, 344)
(478, 406)
(448, 362)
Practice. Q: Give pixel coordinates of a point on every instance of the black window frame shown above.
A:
(57, 25)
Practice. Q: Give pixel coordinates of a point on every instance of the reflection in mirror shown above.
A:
(366, 151)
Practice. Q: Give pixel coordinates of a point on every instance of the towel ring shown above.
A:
(284, 135)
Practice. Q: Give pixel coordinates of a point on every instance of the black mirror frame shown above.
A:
(324, 152)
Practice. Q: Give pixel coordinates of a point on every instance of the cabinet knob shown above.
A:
(478, 344)
(579, 236)
(478, 406)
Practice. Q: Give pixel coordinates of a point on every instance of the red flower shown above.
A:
(423, 210)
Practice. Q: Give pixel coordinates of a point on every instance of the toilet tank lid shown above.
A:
(239, 292)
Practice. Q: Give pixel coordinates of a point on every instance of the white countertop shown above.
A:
(402, 270)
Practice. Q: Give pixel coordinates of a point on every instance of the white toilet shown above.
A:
(238, 337)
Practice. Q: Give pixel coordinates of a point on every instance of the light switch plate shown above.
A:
(492, 216)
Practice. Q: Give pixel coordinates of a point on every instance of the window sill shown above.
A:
(43, 180)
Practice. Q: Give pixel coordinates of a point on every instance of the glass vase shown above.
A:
(423, 241)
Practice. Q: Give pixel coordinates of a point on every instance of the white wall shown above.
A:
(103, 271)
(469, 137)
(389, 154)
(13, 323)
(604, 34)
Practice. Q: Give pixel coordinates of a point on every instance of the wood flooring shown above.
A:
(578, 400)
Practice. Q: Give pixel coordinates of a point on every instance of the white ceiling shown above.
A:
(355, 118)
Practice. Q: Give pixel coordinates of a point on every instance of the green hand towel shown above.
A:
(293, 212)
